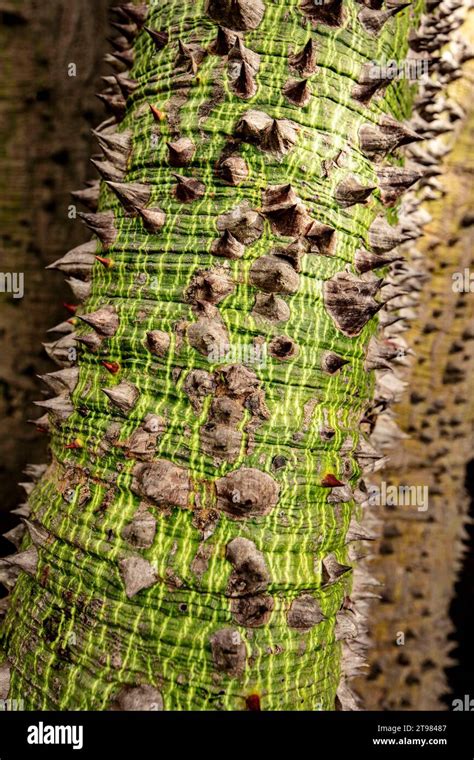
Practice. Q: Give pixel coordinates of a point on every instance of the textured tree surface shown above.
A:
(189, 546)
(45, 148)
(419, 554)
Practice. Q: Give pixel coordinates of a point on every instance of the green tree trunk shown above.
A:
(190, 543)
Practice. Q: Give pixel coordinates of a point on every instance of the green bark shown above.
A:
(189, 543)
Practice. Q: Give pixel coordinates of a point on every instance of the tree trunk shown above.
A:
(418, 558)
(45, 116)
(191, 545)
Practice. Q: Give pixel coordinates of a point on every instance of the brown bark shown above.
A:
(45, 119)
(418, 557)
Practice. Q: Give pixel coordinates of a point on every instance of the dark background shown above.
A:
(45, 146)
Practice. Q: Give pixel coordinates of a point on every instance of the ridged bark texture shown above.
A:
(189, 543)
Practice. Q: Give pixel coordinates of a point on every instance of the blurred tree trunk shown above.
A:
(419, 555)
(45, 142)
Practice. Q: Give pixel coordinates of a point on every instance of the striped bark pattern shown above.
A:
(188, 545)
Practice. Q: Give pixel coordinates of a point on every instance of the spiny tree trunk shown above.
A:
(190, 544)
(44, 153)
(419, 554)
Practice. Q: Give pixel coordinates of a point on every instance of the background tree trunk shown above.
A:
(45, 120)
(418, 558)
